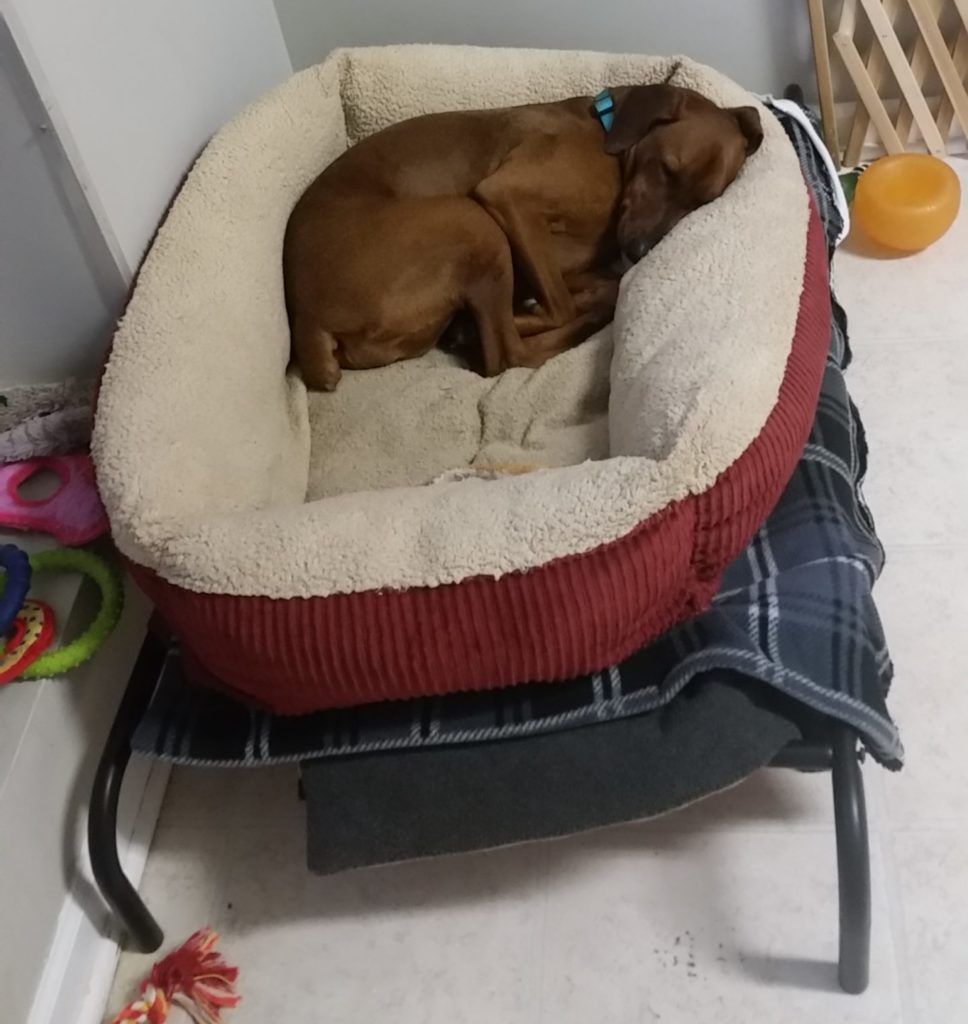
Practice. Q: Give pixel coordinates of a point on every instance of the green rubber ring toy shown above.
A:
(63, 659)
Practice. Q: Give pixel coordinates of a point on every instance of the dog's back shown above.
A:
(388, 243)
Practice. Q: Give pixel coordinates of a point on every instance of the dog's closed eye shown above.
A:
(671, 165)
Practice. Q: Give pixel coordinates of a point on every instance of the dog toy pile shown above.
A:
(73, 515)
(193, 981)
(27, 626)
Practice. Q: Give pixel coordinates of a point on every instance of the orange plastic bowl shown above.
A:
(907, 201)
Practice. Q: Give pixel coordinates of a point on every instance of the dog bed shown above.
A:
(423, 530)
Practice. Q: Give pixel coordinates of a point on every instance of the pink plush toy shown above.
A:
(73, 514)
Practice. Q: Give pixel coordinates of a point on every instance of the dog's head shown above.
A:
(678, 151)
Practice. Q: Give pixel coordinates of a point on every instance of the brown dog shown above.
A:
(469, 211)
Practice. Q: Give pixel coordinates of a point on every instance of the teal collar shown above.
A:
(604, 107)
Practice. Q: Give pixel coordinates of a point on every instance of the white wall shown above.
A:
(133, 89)
(764, 44)
(54, 318)
(138, 87)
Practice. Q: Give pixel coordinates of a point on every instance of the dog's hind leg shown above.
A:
(489, 294)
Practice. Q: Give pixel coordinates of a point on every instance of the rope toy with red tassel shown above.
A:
(193, 978)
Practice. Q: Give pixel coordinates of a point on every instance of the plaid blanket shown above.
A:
(794, 612)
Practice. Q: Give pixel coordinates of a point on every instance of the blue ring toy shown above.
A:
(13, 585)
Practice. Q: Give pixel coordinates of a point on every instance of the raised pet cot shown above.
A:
(633, 574)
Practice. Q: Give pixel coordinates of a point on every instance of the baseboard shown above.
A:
(83, 957)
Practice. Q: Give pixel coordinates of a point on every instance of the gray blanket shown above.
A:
(380, 808)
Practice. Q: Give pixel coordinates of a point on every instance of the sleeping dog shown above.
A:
(470, 212)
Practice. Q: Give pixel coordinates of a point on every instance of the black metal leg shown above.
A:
(143, 932)
(853, 863)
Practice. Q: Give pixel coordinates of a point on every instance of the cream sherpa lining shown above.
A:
(203, 440)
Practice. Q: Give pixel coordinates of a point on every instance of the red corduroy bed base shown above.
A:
(570, 616)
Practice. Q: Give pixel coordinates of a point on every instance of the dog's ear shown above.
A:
(751, 127)
(639, 111)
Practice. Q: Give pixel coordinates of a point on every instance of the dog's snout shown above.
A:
(636, 248)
